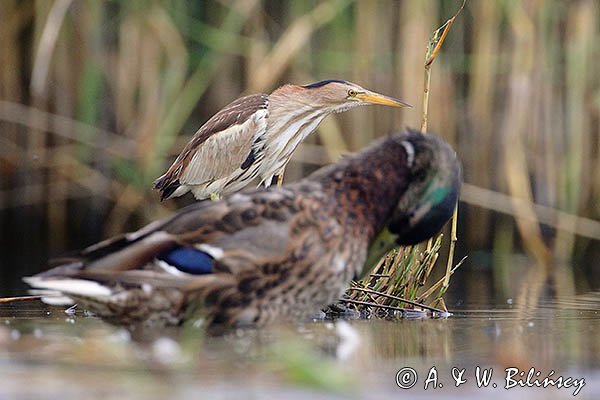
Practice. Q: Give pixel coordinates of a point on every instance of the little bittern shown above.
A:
(256, 135)
(266, 255)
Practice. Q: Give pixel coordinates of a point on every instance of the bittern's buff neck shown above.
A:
(294, 112)
(330, 96)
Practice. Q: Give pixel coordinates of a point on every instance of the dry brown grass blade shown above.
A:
(88, 182)
(43, 121)
(373, 304)
(514, 127)
(438, 39)
(129, 196)
(509, 205)
(399, 299)
(453, 240)
(19, 299)
(291, 42)
(482, 111)
(398, 277)
(439, 283)
(197, 83)
(581, 74)
(17, 197)
(433, 47)
(435, 44)
(46, 46)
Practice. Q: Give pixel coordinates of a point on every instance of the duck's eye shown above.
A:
(351, 92)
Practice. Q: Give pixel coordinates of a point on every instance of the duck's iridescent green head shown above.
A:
(433, 188)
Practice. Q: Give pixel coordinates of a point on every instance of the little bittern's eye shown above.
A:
(352, 92)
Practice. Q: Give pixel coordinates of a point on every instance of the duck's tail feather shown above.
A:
(58, 291)
(120, 254)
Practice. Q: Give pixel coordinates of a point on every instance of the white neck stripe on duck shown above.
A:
(433, 193)
(410, 152)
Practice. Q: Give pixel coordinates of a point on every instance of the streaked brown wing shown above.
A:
(220, 146)
(225, 151)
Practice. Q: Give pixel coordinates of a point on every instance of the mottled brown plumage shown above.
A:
(269, 254)
(255, 137)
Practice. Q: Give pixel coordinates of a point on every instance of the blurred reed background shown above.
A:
(98, 97)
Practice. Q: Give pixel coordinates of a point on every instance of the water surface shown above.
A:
(46, 353)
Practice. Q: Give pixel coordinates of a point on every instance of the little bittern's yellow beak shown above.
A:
(376, 98)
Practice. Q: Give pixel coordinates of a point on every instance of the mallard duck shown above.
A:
(256, 135)
(268, 254)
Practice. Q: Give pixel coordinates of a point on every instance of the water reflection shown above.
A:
(47, 353)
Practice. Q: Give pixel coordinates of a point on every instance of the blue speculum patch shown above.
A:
(188, 259)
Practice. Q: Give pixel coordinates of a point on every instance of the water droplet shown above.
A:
(166, 350)
(71, 310)
(198, 323)
(120, 336)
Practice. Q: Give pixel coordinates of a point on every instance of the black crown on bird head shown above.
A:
(323, 83)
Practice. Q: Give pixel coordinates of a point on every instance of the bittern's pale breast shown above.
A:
(290, 121)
